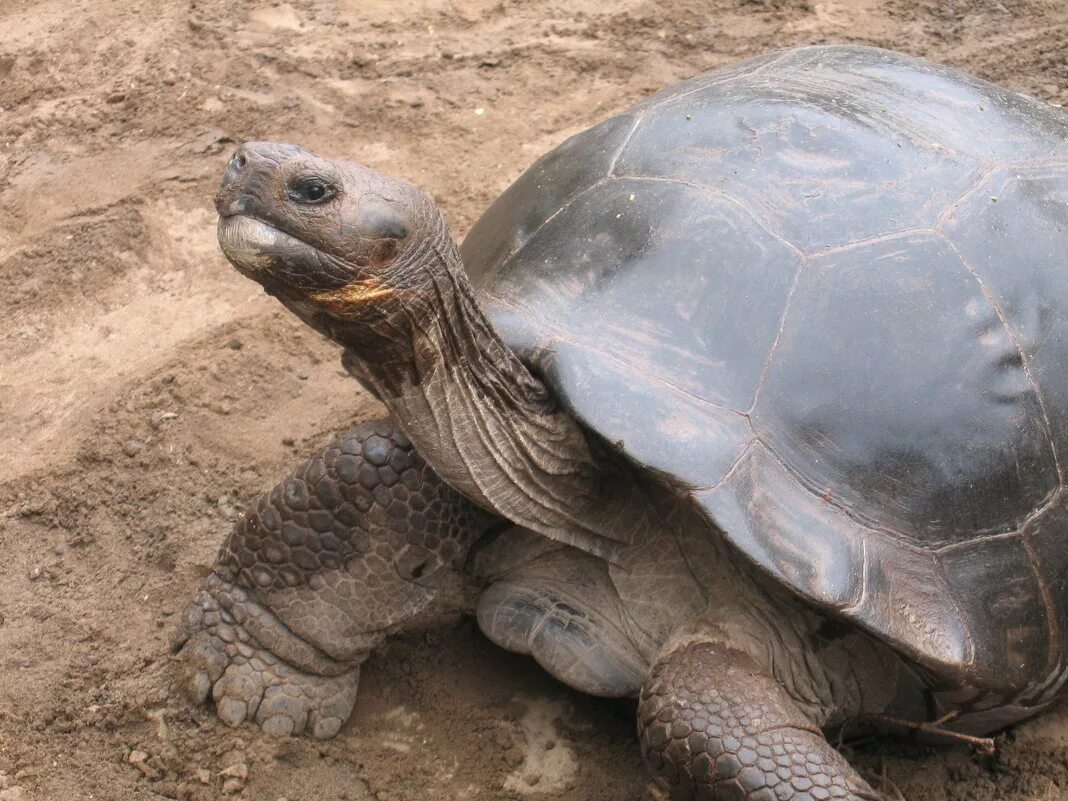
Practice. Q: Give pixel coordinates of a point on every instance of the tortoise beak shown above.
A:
(243, 182)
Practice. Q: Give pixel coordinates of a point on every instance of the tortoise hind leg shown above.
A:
(716, 727)
(562, 610)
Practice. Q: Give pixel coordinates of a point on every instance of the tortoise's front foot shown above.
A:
(356, 543)
(255, 670)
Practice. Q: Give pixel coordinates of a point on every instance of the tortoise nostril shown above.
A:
(239, 205)
(238, 160)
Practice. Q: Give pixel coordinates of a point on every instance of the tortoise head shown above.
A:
(331, 239)
(369, 261)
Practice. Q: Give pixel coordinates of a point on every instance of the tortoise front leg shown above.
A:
(717, 727)
(358, 542)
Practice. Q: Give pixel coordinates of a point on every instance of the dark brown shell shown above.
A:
(827, 292)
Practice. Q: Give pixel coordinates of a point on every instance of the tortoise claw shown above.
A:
(226, 665)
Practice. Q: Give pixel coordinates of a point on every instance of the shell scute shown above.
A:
(896, 387)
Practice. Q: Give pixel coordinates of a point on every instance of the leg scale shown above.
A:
(717, 727)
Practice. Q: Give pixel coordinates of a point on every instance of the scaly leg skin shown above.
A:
(247, 681)
(717, 727)
(354, 544)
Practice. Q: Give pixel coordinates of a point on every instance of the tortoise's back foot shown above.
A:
(563, 611)
(239, 657)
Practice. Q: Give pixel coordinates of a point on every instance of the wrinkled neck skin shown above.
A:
(488, 427)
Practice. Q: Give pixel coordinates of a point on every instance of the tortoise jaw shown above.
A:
(251, 245)
(285, 267)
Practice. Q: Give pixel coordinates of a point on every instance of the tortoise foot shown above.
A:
(227, 662)
(563, 610)
(716, 726)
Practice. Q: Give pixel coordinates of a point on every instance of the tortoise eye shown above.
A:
(310, 191)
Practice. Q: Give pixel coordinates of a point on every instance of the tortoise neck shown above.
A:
(436, 337)
(485, 423)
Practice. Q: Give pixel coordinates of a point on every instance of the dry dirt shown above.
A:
(147, 391)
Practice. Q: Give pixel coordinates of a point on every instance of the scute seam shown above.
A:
(985, 175)
(703, 188)
(870, 525)
(1053, 629)
(626, 141)
(766, 368)
(1049, 502)
(512, 253)
(862, 597)
(748, 449)
(755, 71)
(870, 240)
(556, 336)
(1024, 361)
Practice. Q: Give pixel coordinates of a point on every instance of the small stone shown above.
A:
(289, 442)
(132, 447)
(235, 344)
(139, 759)
(227, 507)
(237, 771)
(159, 418)
(203, 775)
(115, 97)
(214, 142)
(302, 376)
(36, 573)
(233, 786)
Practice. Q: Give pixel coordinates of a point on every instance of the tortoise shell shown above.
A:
(826, 293)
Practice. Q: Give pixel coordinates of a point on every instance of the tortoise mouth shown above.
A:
(256, 248)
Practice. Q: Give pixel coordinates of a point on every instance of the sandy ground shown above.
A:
(147, 391)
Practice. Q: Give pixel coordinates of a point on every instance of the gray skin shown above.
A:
(500, 508)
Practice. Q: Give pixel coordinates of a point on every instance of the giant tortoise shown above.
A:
(750, 403)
